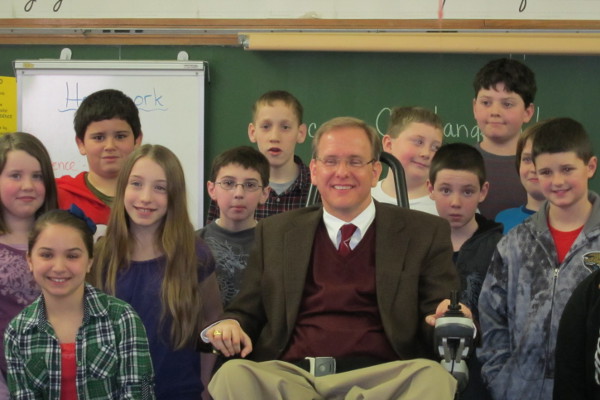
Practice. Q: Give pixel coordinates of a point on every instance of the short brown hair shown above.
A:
(279, 95)
(401, 117)
(516, 77)
(344, 122)
(245, 156)
(107, 104)
(561, 135)
(458, 156)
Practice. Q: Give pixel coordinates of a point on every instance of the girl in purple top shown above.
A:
(27, 190)
(151, 258)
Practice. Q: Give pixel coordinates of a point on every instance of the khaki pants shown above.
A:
(418, 379)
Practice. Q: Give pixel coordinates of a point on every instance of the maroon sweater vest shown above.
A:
(338, 315)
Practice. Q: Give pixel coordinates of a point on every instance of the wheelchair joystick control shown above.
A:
(454, 335)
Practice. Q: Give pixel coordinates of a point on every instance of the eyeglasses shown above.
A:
(249, 186)
(353, 162)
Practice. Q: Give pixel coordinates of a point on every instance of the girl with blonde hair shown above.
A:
(151, 258)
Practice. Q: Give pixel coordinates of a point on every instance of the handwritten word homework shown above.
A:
(148, 102)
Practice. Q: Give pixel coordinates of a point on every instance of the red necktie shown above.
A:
(347, 231)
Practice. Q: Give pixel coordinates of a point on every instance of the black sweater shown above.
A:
(578, 344)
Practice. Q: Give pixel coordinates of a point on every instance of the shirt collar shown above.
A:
(362, 221)
(92, 307)
(301, 181)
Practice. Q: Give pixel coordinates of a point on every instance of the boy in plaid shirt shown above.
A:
(276, 128)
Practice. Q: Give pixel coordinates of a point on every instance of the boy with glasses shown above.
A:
(238, 184)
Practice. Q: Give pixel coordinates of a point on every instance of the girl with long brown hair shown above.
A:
(151, 258)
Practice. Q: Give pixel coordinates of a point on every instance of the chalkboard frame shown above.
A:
(225, 32)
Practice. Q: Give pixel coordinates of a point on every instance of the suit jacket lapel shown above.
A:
(297, 245)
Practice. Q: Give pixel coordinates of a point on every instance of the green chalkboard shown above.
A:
(363, 85)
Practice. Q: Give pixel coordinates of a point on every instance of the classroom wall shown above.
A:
(363, 85)
(374, 9)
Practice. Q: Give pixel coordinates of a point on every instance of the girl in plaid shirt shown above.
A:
(74, 342)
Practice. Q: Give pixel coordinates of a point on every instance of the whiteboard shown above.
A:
(168, 94)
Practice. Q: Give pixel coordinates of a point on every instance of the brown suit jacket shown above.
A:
(414, 272)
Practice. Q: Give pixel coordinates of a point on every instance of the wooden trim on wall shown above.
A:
(424, 42)
(224, 32)
(120, 39)
(300, 23)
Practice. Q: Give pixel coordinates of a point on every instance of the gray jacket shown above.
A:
(522, 300)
